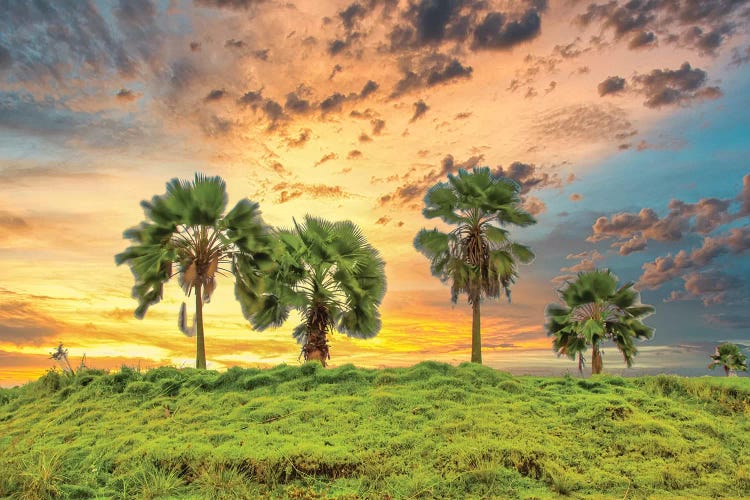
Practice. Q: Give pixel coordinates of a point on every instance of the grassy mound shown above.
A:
(429, 431)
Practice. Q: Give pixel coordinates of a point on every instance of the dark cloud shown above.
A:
(612, 85)
(234, 44)
(229, 4)
(378, 125)
(261, 54)
(354, 154)
(332, 103)
(84, 42)
(295, 104)
(527, 176)
(289, 191)
(693, 23)
(384, 220)
(300, 140)
(215, 95)
(368, 89)
(273, 111)
(420, 108)
(328, 157)
(364, 137)
(664, 269)
(495, 33)
(336, 46)
(415, 189)
(642, 39)
(336, 69)
(428, 70)
(665, 87)
(126, 95)
(195, 46)
(11, 221)
(251, 98)
(452, 70)
(351, 14)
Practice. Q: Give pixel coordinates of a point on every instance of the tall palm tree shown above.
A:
(476, 257)
(186, 227)
(330, 274)
(730, 357)
(594, 310)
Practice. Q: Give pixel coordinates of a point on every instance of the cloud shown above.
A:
(364, 137)
(413, 190)
(378, 125)
(234, 44)
(612, 85)
(420, 108)
(368, 89)
(295, 104)
(332, 103)
(327, 157)
(533, 205)
(527, 176)
(675, 87)
(300, 140)
(495, 32)
(429, 70)
(289, 191)
(383, 220)
(125, 95)
(215, 95)
(711, 287)
(584, 123)
(22, 324)
(229, 4)
(631, 231)
(664, 269)
(642, 39)
(691, 23)
(5, 59)
(728, 320)
(354, 154)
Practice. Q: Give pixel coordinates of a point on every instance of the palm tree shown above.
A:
(595, 310)
(730, 357)
(477, 257)
(330, 274)
(186, 226)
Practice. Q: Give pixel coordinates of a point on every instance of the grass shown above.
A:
(428, 431)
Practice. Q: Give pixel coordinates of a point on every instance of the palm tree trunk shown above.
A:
(200, 355)
(596, 359)
(476, 333)
(726, 370)
(316, 348)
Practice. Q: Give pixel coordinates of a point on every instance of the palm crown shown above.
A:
(330, 274)
(594, 310)
(186, 228)
(730, 357)
(476, 257)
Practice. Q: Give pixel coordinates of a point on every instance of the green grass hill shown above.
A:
(429, 431)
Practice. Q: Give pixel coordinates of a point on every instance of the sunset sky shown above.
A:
(626, 124)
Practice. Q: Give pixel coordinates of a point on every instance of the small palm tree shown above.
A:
(594, 310)
(186, 226)
(730, 357)
(476, 257)
(330, 274)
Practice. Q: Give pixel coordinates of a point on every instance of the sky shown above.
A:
(625, 124)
